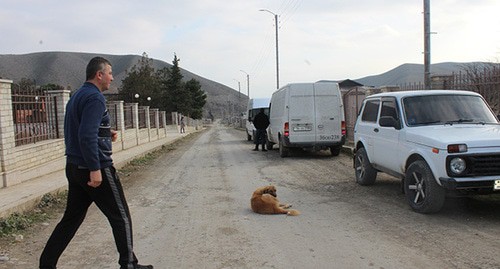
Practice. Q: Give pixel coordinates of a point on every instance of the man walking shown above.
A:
(89, 170)
(261, 122)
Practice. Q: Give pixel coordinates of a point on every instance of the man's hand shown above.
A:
(114, 135)
(95, 179)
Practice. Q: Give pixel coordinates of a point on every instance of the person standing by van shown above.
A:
(261, 122)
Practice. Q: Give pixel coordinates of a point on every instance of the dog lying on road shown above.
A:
(264, 201)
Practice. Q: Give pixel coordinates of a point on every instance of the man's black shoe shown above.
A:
(264, 149)
(138, 266)
(255, 149)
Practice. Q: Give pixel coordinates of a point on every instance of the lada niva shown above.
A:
(437, 142)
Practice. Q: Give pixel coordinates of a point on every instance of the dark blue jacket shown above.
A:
(87, 132)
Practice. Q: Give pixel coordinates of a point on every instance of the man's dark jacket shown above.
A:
(87, 132)
(261, 121)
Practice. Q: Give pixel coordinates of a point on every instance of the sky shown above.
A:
(225, 40)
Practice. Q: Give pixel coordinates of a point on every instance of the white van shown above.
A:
(253, 108)
(308, 116)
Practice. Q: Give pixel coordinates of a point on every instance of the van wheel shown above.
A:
(335, 150)
(421, 189)
(269, 145)
(284, 151)
(365, 173)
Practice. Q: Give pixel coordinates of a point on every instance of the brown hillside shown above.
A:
(68, 69)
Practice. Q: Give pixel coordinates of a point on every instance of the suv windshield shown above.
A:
(446, 109)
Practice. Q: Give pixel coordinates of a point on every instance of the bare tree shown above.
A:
(483, 78)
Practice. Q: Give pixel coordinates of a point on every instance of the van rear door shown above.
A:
(328, 119)
(301, 113)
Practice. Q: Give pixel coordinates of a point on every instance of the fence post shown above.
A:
(135, 116)
(62, 98)
(7, 134)
(156, 119)
(120, 120)
(164, 121)
(175, 121)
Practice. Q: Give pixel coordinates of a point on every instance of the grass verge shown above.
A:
(19, 222)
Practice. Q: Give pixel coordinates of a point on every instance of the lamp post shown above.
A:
(277, 58)
(248, 83)
(136, 96)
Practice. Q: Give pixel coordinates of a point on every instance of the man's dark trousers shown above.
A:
(110, 199)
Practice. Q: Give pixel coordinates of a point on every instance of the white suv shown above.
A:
(436, 141)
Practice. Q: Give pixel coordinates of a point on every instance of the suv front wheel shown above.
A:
(365, 173)
(421, 189)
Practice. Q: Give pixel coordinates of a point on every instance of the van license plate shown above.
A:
(496, 185)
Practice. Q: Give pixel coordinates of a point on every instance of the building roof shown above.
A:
(347, 83)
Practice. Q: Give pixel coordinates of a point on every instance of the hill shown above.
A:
(66, 69)
(409, 73)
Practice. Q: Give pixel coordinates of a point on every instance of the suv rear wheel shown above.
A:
(421, 189)
(365, 173)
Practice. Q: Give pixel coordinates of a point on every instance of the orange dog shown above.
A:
(264, 201)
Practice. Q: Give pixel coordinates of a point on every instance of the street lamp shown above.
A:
(136, 96)
(248, 83)
(277, 58)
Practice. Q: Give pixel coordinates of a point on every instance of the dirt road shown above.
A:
(191, 209)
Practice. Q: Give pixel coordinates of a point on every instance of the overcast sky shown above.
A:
(216, 39)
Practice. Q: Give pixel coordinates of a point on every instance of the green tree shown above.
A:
(26, 85)
(197, 98)
(140, 83)
(52, 87)
(166, 88)
(176, 97)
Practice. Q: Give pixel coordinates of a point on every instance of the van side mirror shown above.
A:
(388, 121)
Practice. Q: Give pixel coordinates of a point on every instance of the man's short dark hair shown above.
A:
(96, 64)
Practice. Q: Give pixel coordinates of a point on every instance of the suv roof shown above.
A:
(400, 94)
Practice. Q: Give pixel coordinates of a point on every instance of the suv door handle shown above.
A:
(375, 130)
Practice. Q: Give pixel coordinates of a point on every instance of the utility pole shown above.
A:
(248, 83)
(427, 45)
(277, 57)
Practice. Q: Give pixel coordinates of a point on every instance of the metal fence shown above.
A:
(485, 81)
(35, 116)
(128, 115)
(152, 118)
(142, 118)
(113, 115)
